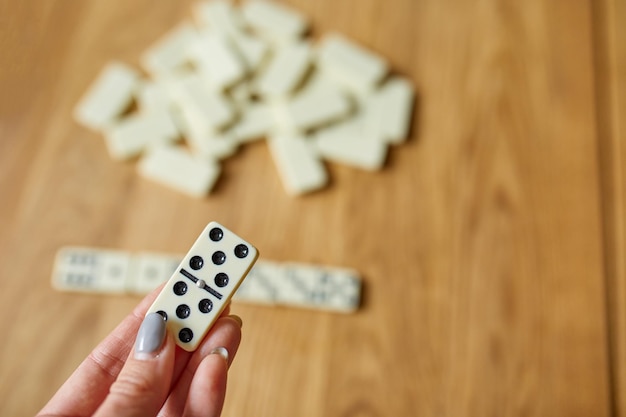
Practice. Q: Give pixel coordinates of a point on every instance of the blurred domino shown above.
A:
(90, 270)
(390, 110)
(94, 270)
(252, 50)
(301, 285)
(200, 105)
(214, 146)
(149, 270)
(219, 15)
(285, 70)
(318, 287)
(108, 96)
(203, 284)
(269, 283)
(138, 132)
(350, 64)
(261, 285)
(176, 168)
(351, 144)
(255, 123)
(203, 140)
(273, 20)
(169, 53)
(298, 166)
(216, 59)
(247, 73)
(152, 97)
(318, 104)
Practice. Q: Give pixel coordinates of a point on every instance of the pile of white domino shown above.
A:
(243, 73)
(105, 271)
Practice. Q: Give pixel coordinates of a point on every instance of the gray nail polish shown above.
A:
(151, 334)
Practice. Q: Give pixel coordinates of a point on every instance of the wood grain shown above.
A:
(481, 243)
(610, 59)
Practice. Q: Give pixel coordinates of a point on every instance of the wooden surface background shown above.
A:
(492, 245)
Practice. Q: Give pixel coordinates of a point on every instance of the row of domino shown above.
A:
(93, 270)
(246, 73)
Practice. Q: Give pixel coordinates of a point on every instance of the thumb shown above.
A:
(143, 384)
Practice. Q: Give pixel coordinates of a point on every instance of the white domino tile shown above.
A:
(177, 168)
(200, 289)
(213, 146)
(285, 70)
(169, 53)
(203, 140)
(390, 110)
(273, 20)
(152, 97)
(319, 104)
(199, 104)
(253, 51)
(216, 58)
(298, 165)
(149, 270)
(350, 144)
(262, 284)
(88, 270)
(219, 15)
(320, 287)
(193, 129)
(350, 64)
(108, 96)
(246, 71)
(256, 122)
(301, 285)
(139, 132)
(268, 283)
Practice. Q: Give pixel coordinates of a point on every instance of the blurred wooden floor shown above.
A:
(492, 245)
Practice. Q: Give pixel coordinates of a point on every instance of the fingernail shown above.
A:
(237, 319)
(222, 351)
(150, 336)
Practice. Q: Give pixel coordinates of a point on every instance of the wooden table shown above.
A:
(491, 245)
